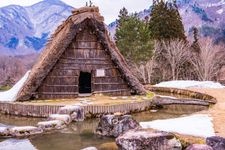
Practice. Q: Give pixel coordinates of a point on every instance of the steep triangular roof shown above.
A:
(61, 39)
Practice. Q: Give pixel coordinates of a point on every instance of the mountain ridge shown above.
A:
(25, 30)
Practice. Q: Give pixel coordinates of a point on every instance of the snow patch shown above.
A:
(196, 125)
(166, 96)
(11, 94)
(2, 129)
(220, 11)
(190, 84)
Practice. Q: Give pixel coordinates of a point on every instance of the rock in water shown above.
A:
(114, 125)
(63, 117)
(24, 131)
(90, 148)
(146, 139)
(4, 132)
(51, 125)
(199, 147)
(76, 112)
(216, 142)
(108, 146)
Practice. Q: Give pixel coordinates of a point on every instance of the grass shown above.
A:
(150, 95)
(97, 99)
(4, 88)
(187, 140)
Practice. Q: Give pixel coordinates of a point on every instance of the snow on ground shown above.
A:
(196, 125)
(11, 94)
(16, 144)
(190, 84)
(2, 129)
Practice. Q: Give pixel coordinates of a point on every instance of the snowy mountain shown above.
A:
(207, 15)
(26, 29)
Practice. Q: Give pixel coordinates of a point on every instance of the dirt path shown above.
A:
(218, 110)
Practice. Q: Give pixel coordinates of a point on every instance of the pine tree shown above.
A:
(165, 22)
(195, 45)
(133, 37)
(123, 13)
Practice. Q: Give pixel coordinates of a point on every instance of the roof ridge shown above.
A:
(86, 9)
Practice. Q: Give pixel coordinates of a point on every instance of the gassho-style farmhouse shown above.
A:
(80, 58)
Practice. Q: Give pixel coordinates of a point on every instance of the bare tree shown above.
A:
(13, 68)
(208, 62)
(176, 53)
(146, 70)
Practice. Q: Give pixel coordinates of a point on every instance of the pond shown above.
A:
(80, 135)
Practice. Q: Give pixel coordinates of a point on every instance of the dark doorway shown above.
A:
(85, 82)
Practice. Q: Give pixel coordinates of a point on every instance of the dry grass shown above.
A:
(99, 100)
(187, 140)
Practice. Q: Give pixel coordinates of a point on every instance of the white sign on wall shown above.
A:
(100, 72)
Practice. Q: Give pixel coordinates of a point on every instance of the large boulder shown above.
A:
(114, 125)
(199, 147)
(216, 142)
(76, 112)
(146, 139)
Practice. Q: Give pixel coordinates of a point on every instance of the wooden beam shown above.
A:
(48, 85)
(63, 76)
(72, 58)
(110, 91)
(58, 93)
(109, 83)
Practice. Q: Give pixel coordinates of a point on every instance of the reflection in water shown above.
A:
(18, 121)
(80, 135)
(170, 111)
(16, 144)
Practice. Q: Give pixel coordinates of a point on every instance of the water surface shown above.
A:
(80, 135)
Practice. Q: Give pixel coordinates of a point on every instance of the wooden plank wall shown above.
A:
(85, 54)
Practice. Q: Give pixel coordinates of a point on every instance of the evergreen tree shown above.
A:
(165, 22)
(195, 45)
(123, 13)
(133, 37)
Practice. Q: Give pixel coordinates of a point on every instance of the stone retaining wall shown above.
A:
(185, 92)
(28, 110)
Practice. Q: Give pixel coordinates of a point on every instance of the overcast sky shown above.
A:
(109, 8)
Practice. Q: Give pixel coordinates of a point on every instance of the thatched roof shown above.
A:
(61, 39)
